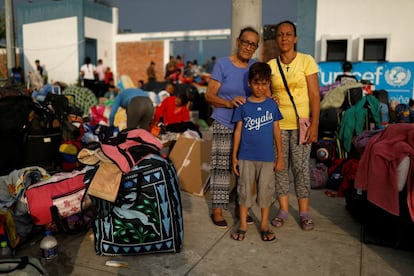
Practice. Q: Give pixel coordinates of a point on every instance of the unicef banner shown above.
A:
(394, 77)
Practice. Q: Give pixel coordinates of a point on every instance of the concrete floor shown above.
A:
(334, 247)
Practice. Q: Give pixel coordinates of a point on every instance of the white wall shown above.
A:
(55, 46)
(103, 33)
(356, 18)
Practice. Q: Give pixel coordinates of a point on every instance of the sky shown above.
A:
(183, 15)
(142, 16)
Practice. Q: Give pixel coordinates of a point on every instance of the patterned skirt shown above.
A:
(220, 174)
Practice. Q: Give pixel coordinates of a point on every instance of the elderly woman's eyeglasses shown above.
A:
(246, 44)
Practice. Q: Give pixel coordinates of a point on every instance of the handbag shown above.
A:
(304, 123)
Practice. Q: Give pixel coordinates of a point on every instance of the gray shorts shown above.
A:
(262, 173)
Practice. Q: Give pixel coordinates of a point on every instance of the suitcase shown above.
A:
(42, 149)
(15, 107)
(380, 227)
(381, 95)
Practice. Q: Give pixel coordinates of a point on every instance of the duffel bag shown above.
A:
(146, 216)
(64, 190)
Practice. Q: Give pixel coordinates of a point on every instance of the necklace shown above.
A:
(286, 61)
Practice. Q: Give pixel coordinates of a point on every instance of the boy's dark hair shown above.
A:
(411, 103)
(260, 70)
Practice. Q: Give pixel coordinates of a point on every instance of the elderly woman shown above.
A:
(227, 89)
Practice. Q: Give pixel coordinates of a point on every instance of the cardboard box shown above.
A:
(191, 159)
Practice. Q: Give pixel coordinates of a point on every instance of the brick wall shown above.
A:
(3, 63)
(133, 58)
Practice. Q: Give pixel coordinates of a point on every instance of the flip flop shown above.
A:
(267, 235)
(239, 235)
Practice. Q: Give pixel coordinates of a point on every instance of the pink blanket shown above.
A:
(377, 170)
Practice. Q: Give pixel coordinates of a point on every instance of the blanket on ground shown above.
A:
(378, 168)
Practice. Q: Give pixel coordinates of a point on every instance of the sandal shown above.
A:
(267, 235)
(278, 222)
(220, 223)
(249, 219)
(306, 223)
(239, 235)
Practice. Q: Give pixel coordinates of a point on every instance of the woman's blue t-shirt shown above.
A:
(233, 82)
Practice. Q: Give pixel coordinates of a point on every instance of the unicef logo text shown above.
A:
(397, 76)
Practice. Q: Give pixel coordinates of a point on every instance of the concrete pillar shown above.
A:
(245, 13)
(11, 53)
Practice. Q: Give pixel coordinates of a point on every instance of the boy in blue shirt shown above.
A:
(256, 134)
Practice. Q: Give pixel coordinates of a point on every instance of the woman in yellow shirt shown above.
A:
(301, 73)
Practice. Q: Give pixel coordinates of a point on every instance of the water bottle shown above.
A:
(49, 246)
(5, 251)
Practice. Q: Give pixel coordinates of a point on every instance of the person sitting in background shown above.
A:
(35, 80)
(173, 109)
(113, 90)
(17, 76)
(176, 77)
(411, 107)
(196, 69)
(174, 113)
(347, 76)
(140, 83)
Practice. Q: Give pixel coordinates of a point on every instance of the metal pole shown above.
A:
(11, 53)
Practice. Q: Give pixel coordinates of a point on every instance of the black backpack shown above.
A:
(352, 96)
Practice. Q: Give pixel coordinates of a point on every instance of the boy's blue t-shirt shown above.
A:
(257, 141)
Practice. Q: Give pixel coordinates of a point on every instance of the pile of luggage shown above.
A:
(53, 180)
